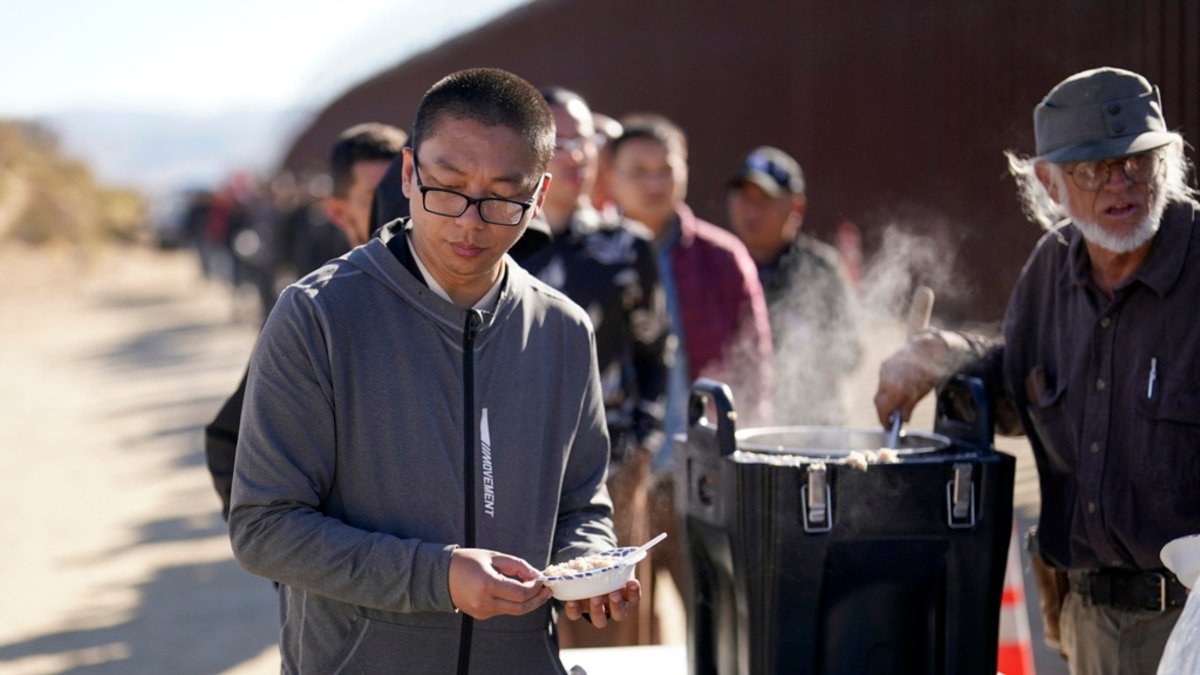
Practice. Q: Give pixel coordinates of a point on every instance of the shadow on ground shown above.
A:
(172, 630)
(189, 619)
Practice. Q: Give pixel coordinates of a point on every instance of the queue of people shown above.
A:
(266, 234)
(489, 381)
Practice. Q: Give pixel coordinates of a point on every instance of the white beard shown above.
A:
(1125, 243)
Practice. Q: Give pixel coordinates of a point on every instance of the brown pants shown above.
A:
(627, 486)
(1105, 641)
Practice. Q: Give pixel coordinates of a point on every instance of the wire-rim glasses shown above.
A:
(1139, 168)
(493, 210)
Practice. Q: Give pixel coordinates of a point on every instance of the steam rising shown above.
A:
(903, 262)
(827, 358)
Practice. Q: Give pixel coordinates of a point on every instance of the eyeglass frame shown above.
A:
(1124, 163)
(476, 201)
(569, 145)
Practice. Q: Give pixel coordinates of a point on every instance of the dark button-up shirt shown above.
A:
(607, 267)
(1108, 392)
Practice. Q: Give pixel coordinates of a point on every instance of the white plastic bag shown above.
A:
(1182, 655)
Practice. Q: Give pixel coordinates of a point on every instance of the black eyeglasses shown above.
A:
(451, 204)
(1140, 168)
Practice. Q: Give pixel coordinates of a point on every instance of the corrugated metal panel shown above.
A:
(898, 111)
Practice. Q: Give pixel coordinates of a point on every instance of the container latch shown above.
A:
(960, 497)
(816, 501)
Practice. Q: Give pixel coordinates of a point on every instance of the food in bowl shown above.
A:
(587, 563)
(592, 575)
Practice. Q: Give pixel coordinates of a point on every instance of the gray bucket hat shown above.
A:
(1098, 114)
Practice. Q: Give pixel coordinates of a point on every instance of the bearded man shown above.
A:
(1099, 364)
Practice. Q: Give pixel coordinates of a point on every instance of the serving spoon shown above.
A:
(918, 321)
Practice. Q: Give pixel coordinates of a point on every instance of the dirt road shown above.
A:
(114, 556)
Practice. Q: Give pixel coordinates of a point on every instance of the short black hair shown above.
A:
(491, 97)
(367, 142)
(650, 126)
(556, 95)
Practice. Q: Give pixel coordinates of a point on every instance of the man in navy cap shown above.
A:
(1099, 363)
(812, 312)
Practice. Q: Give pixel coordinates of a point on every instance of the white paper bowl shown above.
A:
(1182, 556)
(584, 585)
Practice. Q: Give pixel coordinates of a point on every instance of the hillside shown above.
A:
(47, 196)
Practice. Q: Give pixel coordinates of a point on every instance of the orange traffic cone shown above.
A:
(1015, 653)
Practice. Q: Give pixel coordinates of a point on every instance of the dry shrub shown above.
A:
(47, 197)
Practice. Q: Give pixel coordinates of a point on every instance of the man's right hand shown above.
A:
(482, 584)
(909, 374)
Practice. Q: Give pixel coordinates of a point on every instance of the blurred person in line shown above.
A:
(814, 322)
(607, 131)
(195, 215)
(607, 266)
(715, 303)
(359, 157)
(224, 219)
(424, 428)
(389, 203)
(254, 245)
(1098, 366)
(300, 229)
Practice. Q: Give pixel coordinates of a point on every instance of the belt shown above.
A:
(1155, 590)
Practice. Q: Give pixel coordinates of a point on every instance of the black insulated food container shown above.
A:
(800, 561)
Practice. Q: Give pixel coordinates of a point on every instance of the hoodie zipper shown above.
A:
(470, 331)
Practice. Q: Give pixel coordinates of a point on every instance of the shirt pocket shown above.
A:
(1055, 430)
(1169, 435)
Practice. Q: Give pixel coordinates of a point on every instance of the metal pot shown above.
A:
(833, 442)
(963, 418)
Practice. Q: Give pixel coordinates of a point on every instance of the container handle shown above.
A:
(722, 399)
(964, 413)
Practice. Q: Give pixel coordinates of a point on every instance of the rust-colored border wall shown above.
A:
(898, 111)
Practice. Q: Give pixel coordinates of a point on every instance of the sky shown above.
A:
(208, 56)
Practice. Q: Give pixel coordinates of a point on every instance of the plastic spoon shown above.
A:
(642, 549)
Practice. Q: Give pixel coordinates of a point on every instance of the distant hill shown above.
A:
(158, 153)
(48, 196)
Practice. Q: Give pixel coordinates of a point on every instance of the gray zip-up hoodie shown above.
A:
(349, 481)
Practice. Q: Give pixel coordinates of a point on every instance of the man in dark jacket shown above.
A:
(814, 324)
(606, 264)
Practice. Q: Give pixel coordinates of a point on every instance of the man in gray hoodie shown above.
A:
(424, 427)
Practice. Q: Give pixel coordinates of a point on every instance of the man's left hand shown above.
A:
(602, 608)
